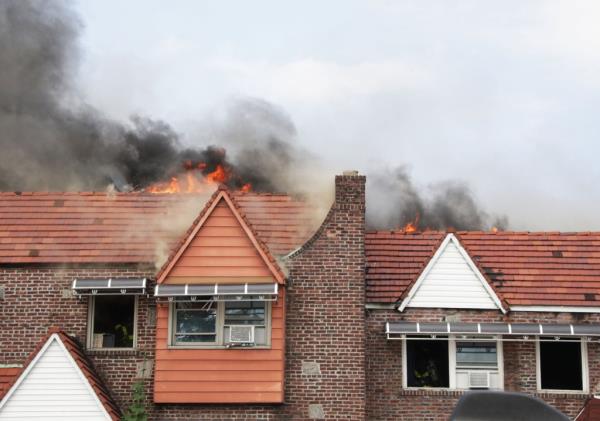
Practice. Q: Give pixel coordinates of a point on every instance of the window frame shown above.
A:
(218, 332)
(452, 339)
(90, 325)
(585, 381)
(220, 326)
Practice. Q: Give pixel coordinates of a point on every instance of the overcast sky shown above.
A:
(501, 94)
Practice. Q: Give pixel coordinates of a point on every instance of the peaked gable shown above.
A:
(56, 385)
(220, 247)
(452, 280)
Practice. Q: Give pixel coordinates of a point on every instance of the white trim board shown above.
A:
(556, 309)
(36, 405)
(452, 280)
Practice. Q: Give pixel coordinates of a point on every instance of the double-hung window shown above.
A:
(206, 322)
(561, 365)
(449, 362)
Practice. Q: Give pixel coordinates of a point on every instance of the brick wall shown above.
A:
(325, 374)
(387, 400)
(38, 298)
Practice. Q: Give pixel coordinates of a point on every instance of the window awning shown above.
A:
(397, 330)
(109, 286)
(217, 292)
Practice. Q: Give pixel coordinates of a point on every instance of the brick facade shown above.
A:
(38, 298)
(325, 314)
(387, 399)
(324, 325)
(339, 364)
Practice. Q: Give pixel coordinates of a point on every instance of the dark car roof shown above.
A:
(503, 406)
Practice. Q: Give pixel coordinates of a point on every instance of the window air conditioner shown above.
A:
(241, 334)
(479, 379)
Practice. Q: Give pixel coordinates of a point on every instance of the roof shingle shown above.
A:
(525, 268)
(89, 227)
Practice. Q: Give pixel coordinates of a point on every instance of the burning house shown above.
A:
(238, 305)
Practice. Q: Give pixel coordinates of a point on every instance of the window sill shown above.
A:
(562, 393)
(435, 391)
(209, 347)
(113, 351)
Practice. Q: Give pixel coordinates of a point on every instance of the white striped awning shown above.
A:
(217, 292)
(395, 330)
(109, 286)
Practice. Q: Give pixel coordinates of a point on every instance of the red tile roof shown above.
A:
(84, 364)
(525, 268)
(590, 411)
(7, 377)
(125, 227)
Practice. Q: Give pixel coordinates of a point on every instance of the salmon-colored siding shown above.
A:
(220, 252)
(220, 375)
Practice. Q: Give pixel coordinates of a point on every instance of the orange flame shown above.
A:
(194, 181)
(413, 225)
(494, 229)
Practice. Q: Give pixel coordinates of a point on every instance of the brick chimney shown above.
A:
(325, 317)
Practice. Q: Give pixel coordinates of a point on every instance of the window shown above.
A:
(561, 365)
(427, 363)
(112, 321)
(196, 322)
(246, 313)
(452, 363)
(208, 323)
(476, 355)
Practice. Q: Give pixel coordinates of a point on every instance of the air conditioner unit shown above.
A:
(479, 379)
(241, 334)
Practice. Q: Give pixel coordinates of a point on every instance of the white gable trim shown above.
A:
(451, 238)
(556, 309)
(32, 364)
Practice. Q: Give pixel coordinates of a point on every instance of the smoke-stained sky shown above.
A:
(502, 95)
(459, 111)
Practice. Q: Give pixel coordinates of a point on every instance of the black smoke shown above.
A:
(393, 200)
(50, 139)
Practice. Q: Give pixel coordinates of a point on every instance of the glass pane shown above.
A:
(476, 354)
(196, 321)
(560, 365)
(203, 303)
(113, 321)
(245, 313)
(427, 363)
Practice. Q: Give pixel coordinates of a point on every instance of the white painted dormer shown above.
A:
(452, 280)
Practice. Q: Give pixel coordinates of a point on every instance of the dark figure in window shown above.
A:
(427, 363)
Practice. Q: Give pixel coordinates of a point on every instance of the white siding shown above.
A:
(450, 282)
(53, 389)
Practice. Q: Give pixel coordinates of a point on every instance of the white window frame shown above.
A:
(585, 381)
(220, 326)
(90, 325)
(452, 339)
